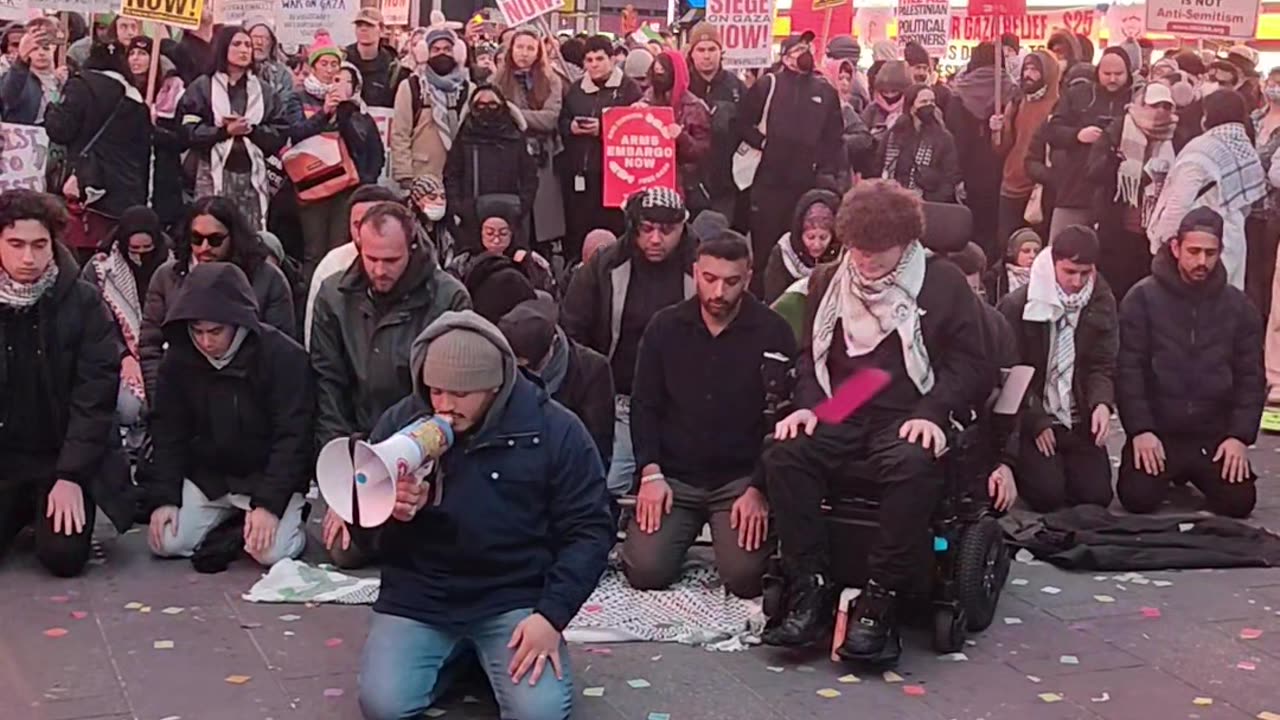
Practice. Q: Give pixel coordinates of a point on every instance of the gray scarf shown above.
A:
(557, 367)
(221, 361)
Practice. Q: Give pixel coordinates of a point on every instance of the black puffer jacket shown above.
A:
(1082, 105)
(1190, 357)
(489, 159)
(200, 130)
(722, 94)
(121, 156)
(82, 358)
(243, 429)
(1097, 342)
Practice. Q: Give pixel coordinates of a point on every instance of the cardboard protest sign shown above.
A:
(746, 29)
(80, 6)
(979, 8)
(639, 151)
(298, 21)
(927, 22)
(1205, 18)
(13, 10)
(178, 13)
(24, 150)
(519, 12)
(872, 24)
(1126, 22)
(382, 118)
(395, 12)
(235, 12)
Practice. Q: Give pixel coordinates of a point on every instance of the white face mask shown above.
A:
(435, 213)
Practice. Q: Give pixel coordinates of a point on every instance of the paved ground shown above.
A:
(1104, 659)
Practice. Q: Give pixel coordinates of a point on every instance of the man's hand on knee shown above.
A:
(790, 426)
(1148, 454)
(750, 517)
(335, 533)
(260, 527)
(535, 642)
(1235, 462)
(161, 518)
(66, 507)
(654, 499)
(1002, 488)
(924, 433)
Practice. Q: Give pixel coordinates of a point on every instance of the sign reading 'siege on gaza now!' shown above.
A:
(519, 12)
(746, 30)
(1204, 18)
(178, 13)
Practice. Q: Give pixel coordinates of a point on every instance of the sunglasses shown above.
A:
(213, 240)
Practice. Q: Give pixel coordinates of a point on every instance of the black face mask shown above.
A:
(663, 83)
(925, 114)
(486, 115)
(891, 98)
(804, 63)
(442, 65)
(480, 74)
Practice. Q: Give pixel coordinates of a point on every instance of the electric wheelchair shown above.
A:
(969, 559)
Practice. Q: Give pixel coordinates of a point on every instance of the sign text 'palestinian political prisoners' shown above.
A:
(746, 29)
(178, 13)
(927, 22)
(639, 151)
(24, 150)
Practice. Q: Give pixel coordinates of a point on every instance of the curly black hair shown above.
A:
(879, 214)
(247, 250)
(45, 209)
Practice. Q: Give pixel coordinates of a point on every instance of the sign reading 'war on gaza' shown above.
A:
(178, 13)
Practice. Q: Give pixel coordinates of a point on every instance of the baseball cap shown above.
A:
(1158, 93)
(805, 37)
(369, 16)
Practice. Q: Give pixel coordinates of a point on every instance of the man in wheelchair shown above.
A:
(882, 304)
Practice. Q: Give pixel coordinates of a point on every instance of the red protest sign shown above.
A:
(639, 151)
(997, 7)
(519, 12)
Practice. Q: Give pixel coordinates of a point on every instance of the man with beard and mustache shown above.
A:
(1191, 384)
(1017, 125)
(697, 423)
(921, 69)
(803, 125)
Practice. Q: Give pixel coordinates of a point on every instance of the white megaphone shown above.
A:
(360, 478)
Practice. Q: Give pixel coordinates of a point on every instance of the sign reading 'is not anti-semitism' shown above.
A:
(178, 13)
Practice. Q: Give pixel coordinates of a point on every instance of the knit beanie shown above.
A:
(884, 51)
(424, 185)
(657, 205)
(637, 63)
(462, 360)
(1020, 236)
(440, 33)
(915, 54)
(843, 47)
(496, 284)
(272, 243)
(323, 46)
(892, 78)
(530, 328)
(703, 32)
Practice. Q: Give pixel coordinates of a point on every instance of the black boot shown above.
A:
(872, 634)
(807, 617)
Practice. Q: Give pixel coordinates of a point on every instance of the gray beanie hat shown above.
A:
(637, 63)
(462, 361)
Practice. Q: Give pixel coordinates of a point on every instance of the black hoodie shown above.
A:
(777, 278)
(1190, 360)
(1082, 105)
(245, 428)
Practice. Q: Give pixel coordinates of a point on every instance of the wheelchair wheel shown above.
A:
(949, 629)
(980, 572)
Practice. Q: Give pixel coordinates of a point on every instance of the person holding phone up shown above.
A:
(1083, 114)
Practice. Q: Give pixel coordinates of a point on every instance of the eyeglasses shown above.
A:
(213, 240)
(648, 228)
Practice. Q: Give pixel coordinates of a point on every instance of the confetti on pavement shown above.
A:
(60, 599)
(891, 677)
(79, 614)
(954, 657)
(1150, 612)
(133, 606)
(913, 690)
(658, 716)
(848, 679)
(290, 618)
(1202, 701)
(1185, 527)
(829, 693)
(804, 668)
(55, 632)
(1161, 583)
(1250, 634)
(1265, 715)
(1050, 697)
(1050, 590)
(333, 692)
(1069, 660)
(144, 609)
(593, 692)
(162, 645)
(775, 669)
(1018, 581)
(1012, 621)
(655, 658)
(1104, 697)
(1246, 665)
(1034, 679)
(237, 679)
(173, 610)
(436, 712)
(333, 642)
(1104, 598)
(598, 651)
(638, 683)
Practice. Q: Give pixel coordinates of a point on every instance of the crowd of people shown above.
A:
(189, 313)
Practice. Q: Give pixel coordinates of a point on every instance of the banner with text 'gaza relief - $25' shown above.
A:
(1033, 29)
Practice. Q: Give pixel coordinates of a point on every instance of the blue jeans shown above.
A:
(622, 469)
(407, 665)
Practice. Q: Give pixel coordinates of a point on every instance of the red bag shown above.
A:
(320, 167)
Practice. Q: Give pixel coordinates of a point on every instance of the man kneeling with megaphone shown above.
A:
(498, 547)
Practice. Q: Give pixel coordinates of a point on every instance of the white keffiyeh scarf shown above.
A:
(20, 295)
(868, 310)
(1047, 303)
(120, 292)
(254, 111)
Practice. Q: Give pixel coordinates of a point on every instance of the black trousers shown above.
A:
(585, 211)
(800, 472)
(772, 209)
(25, 504)
(1009, 218)
(1188, 459)
(1078, 472)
